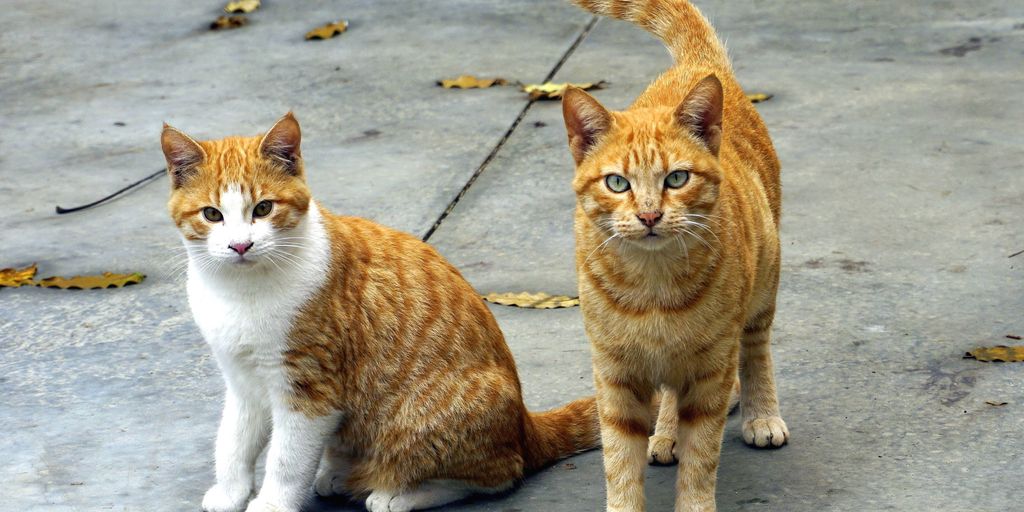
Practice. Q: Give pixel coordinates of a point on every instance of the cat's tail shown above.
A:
(678, 23)
(559, 433)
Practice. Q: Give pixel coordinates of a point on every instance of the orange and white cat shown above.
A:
(677, 251)
(347, 345)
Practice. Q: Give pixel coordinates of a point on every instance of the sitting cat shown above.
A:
(677, 253)
(343, 340)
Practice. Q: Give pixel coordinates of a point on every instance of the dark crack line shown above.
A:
(511, 129)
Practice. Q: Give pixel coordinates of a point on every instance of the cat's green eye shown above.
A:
(677, 179)
(262, 209)
(212, 214)
(616, 183)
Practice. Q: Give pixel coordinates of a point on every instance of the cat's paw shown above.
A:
(261, 504)
(380, 501)
(769, 432)
(330, 483)
(221, 498)
(661, 451)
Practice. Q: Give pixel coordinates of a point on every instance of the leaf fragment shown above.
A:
(532, 300)
(242, 6)
(15, 277)
(998, 353)
(758, 97)
(328, 31)
(471, 82)
(550, 91)
(107, 280)
(993, 403)
(228, 22)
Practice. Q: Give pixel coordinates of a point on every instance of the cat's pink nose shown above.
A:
(649, 218)
(240, 247)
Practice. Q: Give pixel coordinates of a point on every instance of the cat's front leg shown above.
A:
(703, 409)
(241, 437)
(624, 412)
(295, 448)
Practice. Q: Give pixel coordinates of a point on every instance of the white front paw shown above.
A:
(261, 504)
(221, 498)
(379, 501)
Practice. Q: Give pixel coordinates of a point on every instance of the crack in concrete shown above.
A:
(511, 129)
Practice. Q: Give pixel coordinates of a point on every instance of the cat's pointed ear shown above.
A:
(701, 113)
(183, 155)
(282, 142)
(585, 121)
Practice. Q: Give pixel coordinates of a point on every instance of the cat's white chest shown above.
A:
(246, 317)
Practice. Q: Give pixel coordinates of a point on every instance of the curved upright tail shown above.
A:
(678, 23)
(561, 432)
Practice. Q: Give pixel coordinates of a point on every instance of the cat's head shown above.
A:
(648, 176)
(237, 200)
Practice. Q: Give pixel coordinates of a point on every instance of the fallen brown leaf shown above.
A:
(758, 97)
(550, 91)
(532, 300)
(228, 22)
(328, 31)
(995, 404)
(15, 277)
(107, 280)
(999, 353)
(242, 6)
(471, 82)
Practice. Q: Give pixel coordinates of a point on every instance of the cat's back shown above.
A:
(399, 287)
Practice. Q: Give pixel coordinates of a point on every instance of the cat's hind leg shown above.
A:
(661, 445)
(334, 470)
(429, 494)
(763, 426)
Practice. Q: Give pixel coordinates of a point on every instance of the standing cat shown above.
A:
(677, 252)
(343, 340)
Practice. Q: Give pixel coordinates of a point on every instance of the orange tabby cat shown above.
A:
(343, 340)
(678, 258)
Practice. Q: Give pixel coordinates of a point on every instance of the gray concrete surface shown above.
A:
(899, 129)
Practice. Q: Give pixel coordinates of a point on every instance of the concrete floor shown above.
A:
(899, 129)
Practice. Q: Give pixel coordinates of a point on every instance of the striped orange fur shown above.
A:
(358, 342)
(677, 251)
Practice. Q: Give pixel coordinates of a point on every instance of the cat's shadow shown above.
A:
(345, 504)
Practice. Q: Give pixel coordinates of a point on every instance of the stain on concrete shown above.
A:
(971, 45)
(753, 501)
(815, 263)
(949, 386)
(854, 265)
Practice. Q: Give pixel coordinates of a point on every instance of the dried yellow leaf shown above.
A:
(471, 82)
(328, 31)
(999, 353)
(532, 300)
(15, 277)
(758, 97)
(228, 22)
(550, 91)
(107, 280)
(242, 6)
